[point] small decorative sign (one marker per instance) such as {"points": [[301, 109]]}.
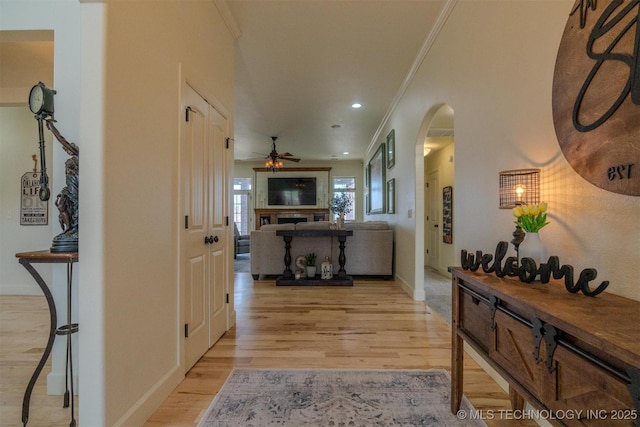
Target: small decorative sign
{"points": [[33, 211]]}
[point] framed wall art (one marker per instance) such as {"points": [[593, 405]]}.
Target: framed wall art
{"points": [[391, 196], [376, 184], [391, 149], [447, 215]]}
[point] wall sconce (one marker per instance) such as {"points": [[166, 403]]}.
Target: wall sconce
{"points": [[519, 187]]}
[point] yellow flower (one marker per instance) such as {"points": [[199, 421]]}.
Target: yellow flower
{"points": [[534, 210], [543, 207], [525, 209], [517, 211]]}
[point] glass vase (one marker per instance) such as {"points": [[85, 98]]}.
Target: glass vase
{"points": [[532, 247]]}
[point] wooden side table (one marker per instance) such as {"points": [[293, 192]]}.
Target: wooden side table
{"points": [[47, 257]]}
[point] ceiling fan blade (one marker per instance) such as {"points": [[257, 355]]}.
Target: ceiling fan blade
{"points": [[293, 159], [260, 154], [287, 154]]}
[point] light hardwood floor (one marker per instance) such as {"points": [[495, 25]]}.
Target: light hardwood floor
{"points": [[374, 324]]}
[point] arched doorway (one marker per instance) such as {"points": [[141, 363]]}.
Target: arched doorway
{"points": [[434, 176]]}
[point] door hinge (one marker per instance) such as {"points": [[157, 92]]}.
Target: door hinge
{"points": [[186, 117], [186, 330], [426, 183], [227, 219], [227, 298], [229, 140], [186, 222]]}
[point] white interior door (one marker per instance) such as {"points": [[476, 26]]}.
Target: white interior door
{"points": [[218, 216], [195, 252], [432, 241]]}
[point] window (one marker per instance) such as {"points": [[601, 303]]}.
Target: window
{"points": [[346, 185], [241, 203]]}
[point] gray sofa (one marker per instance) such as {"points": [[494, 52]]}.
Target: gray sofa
{"points": [[369, 252]]}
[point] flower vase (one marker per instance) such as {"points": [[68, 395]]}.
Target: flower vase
{"points": [[341, 221], [532, 247]]}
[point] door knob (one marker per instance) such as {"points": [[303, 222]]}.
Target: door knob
{"points": [[208, 240], [436, 226], [214, 239]]}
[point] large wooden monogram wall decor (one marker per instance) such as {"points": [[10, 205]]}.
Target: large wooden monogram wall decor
{"points": [[596, 93]]}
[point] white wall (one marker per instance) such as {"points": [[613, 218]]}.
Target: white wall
{"points": [[493, 64], [149, 47], [121, 62], [18, 142], [63, 19]]}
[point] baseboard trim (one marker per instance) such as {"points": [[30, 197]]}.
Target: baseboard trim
{"points": [[141, 410]]}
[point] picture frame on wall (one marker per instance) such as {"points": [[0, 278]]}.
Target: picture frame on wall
{"points": [[447, 215], [391, 149], [376, 185], [391, 196]]}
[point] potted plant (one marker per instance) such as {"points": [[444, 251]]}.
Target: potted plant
{"points": [[341, 204], [310, 262]]}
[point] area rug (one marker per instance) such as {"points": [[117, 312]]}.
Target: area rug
{"points": [[335, 397]]}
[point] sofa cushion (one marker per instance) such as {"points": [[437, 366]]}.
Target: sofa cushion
{"points": [[313, 225], [369, 225], [274, 227]]}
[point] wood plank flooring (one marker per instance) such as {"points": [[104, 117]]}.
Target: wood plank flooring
{"points": [[373, 324]]}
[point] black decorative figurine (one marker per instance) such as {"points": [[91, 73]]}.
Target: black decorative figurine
{"points": [[41, 104]]}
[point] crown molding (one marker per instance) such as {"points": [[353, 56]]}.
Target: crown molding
{"points": [[228, 18], [446, 10]]}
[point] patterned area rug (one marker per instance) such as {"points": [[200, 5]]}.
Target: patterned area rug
{"points": [[328, 397]]}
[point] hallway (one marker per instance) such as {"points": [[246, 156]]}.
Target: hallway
{"points": [[372, 325]]}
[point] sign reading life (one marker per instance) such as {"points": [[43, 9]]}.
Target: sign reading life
{"points": [[596, 93]]}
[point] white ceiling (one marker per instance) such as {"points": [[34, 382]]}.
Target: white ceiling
{"points": [[300, 64]]}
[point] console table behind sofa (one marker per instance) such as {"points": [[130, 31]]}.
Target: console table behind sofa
{"points": [[369, 251]]}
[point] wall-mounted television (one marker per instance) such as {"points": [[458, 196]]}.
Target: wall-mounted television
{"points": [[291, 191]]}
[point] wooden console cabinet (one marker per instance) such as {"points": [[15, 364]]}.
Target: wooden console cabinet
{"points": [[561, 352]]}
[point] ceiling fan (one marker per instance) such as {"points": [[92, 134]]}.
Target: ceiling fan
{"points": [[274, 160]]}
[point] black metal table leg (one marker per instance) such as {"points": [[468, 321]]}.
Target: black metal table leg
{"points": [[53, 321], [27, 259]]}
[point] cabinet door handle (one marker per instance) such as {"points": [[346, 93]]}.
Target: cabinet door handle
{"points": [[214, 239], [208, 240]]}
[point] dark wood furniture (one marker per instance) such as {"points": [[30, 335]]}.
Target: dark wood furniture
{"points": [[47, 257], [287, 279], [558, 351], [272, 215]]}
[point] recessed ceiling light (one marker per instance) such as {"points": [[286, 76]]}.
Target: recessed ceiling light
{"points": [[356, 105], [345, 153]]}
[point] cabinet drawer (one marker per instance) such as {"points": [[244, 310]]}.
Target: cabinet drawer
{"points": [[579, 385], [512, 348], [475, 319]]}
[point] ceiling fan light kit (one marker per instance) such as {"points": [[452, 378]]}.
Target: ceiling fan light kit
{"points": [[274, 160]]}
